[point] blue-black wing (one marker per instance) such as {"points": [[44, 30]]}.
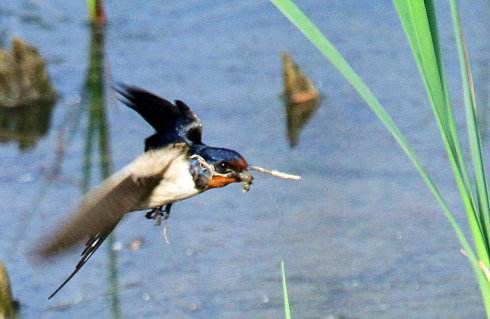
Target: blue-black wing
{"points": [[174, 123]]}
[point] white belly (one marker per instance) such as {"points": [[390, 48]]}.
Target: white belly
{"points": [[177, 184]]}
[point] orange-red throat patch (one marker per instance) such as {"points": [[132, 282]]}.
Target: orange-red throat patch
{"points": [[220, 181]]}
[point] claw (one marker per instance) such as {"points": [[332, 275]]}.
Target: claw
{"points": [[151, 214]]}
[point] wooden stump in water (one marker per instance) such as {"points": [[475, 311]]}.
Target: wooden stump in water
{"points": [[300, 96], [25, 124], [6, 302], [24, 79], [298, 88], [297, 116], [26, 95]]}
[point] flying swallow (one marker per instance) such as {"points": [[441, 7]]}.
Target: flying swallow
{"points": [[176, 165]]}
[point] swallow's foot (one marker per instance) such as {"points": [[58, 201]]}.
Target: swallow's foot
{"points": [[159, 214], [152, 214]]}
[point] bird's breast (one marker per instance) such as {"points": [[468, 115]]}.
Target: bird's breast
{"points": [[177, 184]]}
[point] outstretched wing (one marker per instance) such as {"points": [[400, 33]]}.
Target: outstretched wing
{"points": [[99, 212], [102, 208], [173, 122]]}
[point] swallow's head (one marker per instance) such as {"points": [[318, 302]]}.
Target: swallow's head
{"points": [[229, 167]]}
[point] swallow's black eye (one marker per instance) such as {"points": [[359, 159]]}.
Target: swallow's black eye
{"points": [[223, 165]]}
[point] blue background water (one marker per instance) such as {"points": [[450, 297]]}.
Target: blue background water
{"points": [[361, 235]]}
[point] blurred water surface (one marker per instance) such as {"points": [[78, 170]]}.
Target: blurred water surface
{"points": [[360, 234]]}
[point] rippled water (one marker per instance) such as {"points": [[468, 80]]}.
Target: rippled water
{"points": [[360, 234]]}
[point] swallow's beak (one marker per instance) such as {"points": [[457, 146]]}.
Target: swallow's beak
{"points": [[246, 179]]}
